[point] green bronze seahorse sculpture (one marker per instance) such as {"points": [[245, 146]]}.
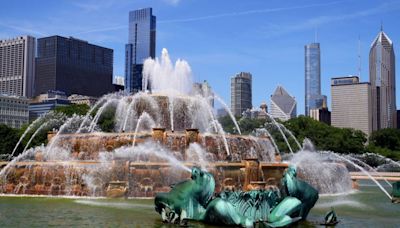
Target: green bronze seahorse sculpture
{"points": [[193, 200]]}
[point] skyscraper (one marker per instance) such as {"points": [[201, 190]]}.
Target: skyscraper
{"points": [[73, 66], [241, 93], [313, 97], [141, 45], [382, 77], [283, 106], [17, 66], [351, 104], [321, 114]]}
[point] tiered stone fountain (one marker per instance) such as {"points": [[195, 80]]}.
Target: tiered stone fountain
{"points": [[145, 175], [158, 136]]}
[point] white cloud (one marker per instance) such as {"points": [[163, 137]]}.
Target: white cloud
{"points": [[240, 13], [173, 2], [26, 29], [273, 30]]}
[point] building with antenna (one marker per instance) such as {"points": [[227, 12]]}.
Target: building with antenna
{"points": [[313, 97], [383, 82]]}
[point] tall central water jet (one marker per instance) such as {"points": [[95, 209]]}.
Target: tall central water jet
{"points": [[165, 77]]}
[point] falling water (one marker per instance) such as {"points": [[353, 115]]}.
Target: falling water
{"points": [[227, 109], [34, 135], [222, 133], [55, 138], [291, 135], [362, 170], [197, 150], [171, 111], [30, 127], [198, 110], [149, 148], [261, 131], [4, 170], [99, 112], [142, 117], [321, 173], [390, 161], [280, 130], [128, 111], [88, 114], [366, 165]]}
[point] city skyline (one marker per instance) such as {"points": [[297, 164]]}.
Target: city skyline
{"points": [[266, 40]]}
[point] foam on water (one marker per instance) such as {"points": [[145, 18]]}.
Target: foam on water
{"points": [[121, 205], [341, 202]]}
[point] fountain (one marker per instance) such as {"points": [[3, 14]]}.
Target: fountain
{"points": [[158, 136]]}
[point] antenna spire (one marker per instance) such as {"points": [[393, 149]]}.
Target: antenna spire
{"points": [[316, 35], [381, 26], [359, 56]]}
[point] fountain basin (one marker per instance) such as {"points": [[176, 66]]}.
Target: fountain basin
{"points": [[131, 179]]}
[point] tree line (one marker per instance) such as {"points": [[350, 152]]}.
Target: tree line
{"points": [[385, 142]]}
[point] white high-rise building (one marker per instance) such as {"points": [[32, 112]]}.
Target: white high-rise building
{"points": [[351, 104], [17, 66], [283, 106]]}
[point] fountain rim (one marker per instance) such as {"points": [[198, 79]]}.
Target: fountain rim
{"points": [[168, 132]]}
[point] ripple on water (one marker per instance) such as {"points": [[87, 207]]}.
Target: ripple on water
{"points": [[120, 205], [341, 203]]}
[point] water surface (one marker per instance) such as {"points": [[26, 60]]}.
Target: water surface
{"points": [[368, 207]]}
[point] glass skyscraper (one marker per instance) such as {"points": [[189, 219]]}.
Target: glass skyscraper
{"points": [[313, 97], [383, 82], [141, 45]]}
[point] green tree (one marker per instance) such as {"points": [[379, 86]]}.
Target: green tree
{"points": [[388, 138], [9, 137], [69, 110], [227, 124], [248, 125], [325, 137], [385, 142], [107, 119]]}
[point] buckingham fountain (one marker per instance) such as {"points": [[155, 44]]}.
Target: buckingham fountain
{"points": [[163, 135]]}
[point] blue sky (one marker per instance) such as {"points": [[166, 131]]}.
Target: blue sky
{"points": [[221, 38]]}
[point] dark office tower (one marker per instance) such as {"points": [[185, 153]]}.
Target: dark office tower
{"points": [[383, 82], [313, 97], [73, 66], [241, 93], [141, 45]]}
